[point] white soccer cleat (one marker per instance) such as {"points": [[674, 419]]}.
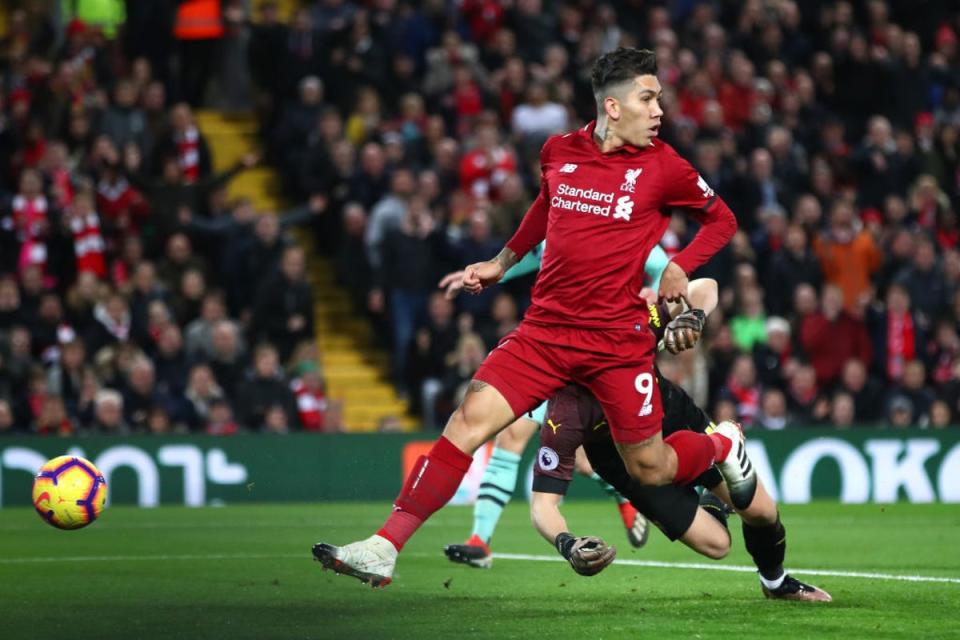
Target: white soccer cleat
{"points": [[736, 468], [370, 561]]}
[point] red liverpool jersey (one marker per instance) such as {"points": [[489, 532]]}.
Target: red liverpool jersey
{"points": [[601, 214]]}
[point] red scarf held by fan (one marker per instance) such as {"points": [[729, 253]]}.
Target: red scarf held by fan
{"points": [[30, 216], [88, 245], [900, 343], [62, 187], [311, 405], [748, 401], [188, 153]]}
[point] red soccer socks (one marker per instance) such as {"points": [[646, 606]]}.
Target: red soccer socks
{"points": [[431, 483]]}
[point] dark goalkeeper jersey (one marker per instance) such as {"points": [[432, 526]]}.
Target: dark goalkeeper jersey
{"points": [[601, 214], [575, 418]]}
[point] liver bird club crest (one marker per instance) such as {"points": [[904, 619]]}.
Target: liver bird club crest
{"points": [[630, 180]]}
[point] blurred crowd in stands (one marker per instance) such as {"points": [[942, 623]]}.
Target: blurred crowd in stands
{"points": [[831, 129], [135, 296], [412, 132]]}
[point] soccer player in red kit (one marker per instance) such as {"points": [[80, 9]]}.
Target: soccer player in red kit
{"points": [[603, 204]]}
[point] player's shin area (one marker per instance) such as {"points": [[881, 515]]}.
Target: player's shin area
{"points": [[435, 477], [762, 510]]}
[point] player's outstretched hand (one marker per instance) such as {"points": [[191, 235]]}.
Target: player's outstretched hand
{"points": [[588, 555], [452, 284], [481, 275], [591, 555], [673, 283], [683, 331]]}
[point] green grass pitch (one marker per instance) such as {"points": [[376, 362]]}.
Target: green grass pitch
{"points": [[246, 572]]}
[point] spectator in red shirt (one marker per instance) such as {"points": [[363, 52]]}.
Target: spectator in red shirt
{"points": [[898, 335], [831, 336], [484, 18], [309, 390], [57, 173], [466, 98], [742, 388], [737, 95], [487, 166], [30, 209], [185, 141], [88, 246], [695, 95]]}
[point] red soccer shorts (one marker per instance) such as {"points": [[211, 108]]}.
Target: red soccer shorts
{"points": [[616, 365]]}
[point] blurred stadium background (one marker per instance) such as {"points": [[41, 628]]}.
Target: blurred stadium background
{"points": [[222, 223], [221, 227], [225, 219]]}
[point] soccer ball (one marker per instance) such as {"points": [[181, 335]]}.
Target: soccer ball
{"points": [[69, 492]]}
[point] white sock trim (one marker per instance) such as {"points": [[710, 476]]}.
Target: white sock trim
{"points": [[772, 585]]}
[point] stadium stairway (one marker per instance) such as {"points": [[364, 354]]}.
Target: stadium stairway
{"points": [[356, 373]]}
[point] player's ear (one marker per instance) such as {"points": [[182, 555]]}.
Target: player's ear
{"points": [[612, 107]]}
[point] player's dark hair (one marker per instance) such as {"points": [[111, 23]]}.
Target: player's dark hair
{"points": [[621, 66]]}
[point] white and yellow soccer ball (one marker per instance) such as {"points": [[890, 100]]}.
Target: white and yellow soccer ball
{"points": [[69, 492]]}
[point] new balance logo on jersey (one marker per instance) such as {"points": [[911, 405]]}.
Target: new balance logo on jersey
{"points": [[630, 180], [624, 208], [568, 168]]}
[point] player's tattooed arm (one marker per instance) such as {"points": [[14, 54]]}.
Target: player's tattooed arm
{"points": [[481, 275], [506, 259], [476, 386]]}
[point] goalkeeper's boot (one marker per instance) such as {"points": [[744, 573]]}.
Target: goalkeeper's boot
{"points": [[370, 561], [736, 468], [474, 552], [793, 589], [638, 527]]}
